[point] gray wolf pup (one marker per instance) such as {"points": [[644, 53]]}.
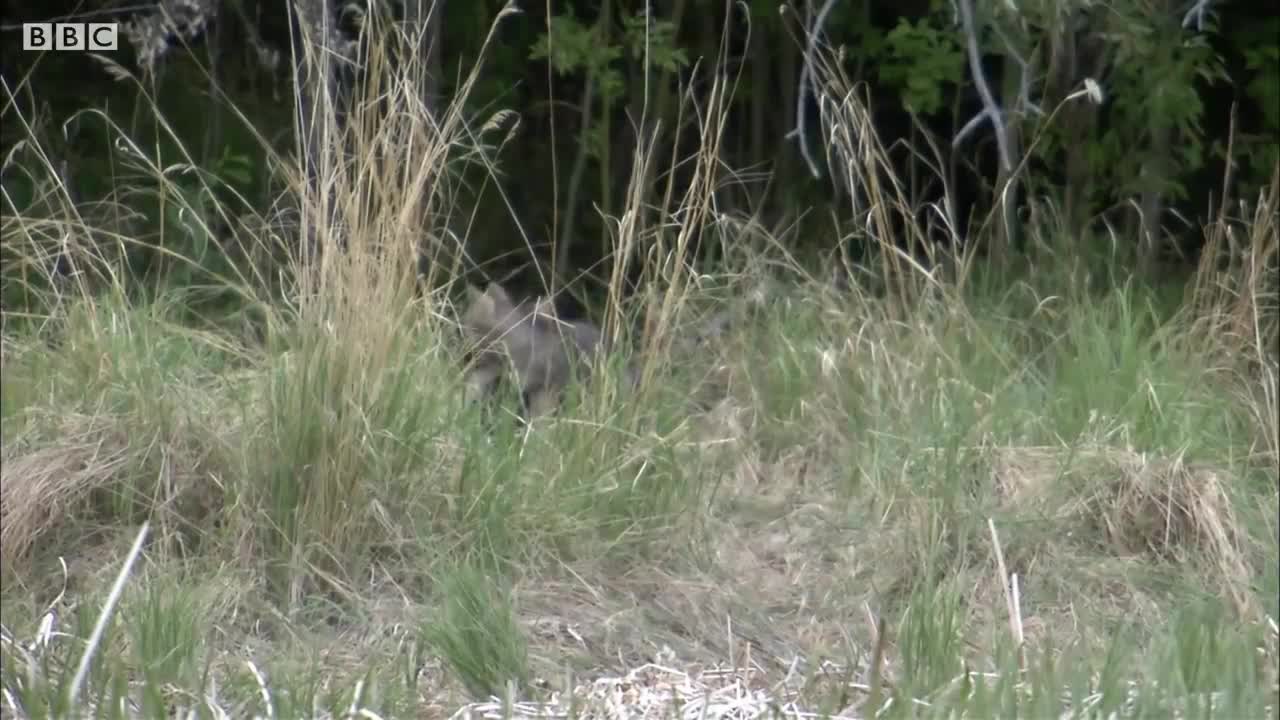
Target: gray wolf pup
{"points": [[530, 341]]}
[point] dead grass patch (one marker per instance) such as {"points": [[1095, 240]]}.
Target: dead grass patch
{"points": [[1134, 504], [45, 486], [72, 470]]}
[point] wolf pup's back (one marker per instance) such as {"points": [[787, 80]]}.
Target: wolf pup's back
{"points": [[528, 340]]}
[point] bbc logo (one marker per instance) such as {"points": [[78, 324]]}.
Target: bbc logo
{"points": [[70, 36]]}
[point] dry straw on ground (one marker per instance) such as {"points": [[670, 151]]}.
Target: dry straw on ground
{"points": [[1136, 503]]}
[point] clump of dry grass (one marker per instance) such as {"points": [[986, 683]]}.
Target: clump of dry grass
{"points": [[69, 479], [1235, 302], [48, 485], [1236, 292], [1131, 503]]}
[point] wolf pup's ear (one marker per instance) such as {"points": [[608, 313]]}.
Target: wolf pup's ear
{"points": [[498, 296], [479, 303]]}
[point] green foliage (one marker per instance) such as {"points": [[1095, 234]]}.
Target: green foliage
{"points": [[571, 47], [1155, 108], [658, 40], [924, 62]]}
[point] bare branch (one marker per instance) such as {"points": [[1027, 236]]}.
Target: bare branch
{"points": [[1199, 9], [806, 79], [990, 110], [1024, 103]]}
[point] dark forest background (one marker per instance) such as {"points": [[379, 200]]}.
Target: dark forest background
{"points": [[1190, 95]]}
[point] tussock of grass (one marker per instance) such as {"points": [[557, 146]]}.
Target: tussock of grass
{"points": [[57, 480], [478, 634], [1135, 506]]}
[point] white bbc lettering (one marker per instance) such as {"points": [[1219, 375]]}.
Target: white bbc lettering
{"points": [[104, 36], [37, 36], [70, 36]]}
